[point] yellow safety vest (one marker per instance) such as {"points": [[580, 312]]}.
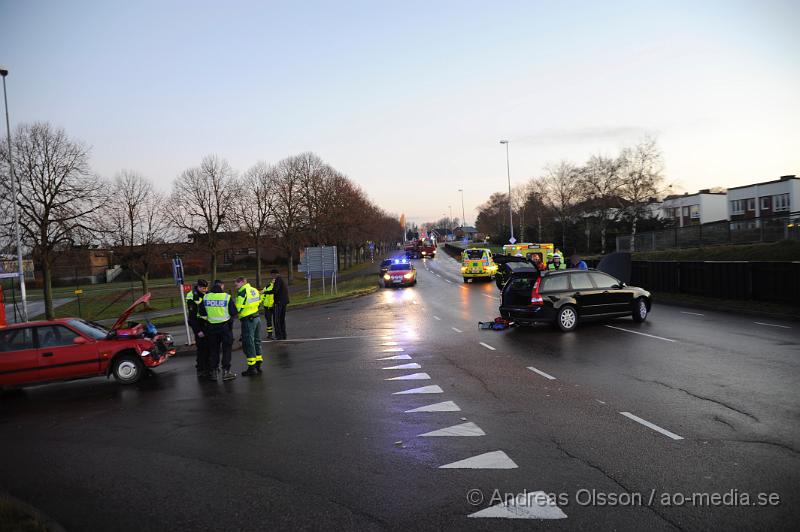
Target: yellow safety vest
{"points": [[216, 305], [268, 300], [198, 302], [248, 299]]}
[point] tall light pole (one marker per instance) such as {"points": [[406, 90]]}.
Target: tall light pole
{"points": [[4, 73], [463, 216], [510, 211], [450, 220]]}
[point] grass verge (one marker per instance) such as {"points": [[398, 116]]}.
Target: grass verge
{"points": [[15, 518]]}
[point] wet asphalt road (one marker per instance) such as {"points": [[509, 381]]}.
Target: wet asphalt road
{"points": [[322, 441]]}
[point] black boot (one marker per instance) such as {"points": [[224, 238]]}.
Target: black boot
{"points": [[258, 367], [250, 371]]}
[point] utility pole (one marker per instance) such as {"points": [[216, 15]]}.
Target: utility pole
{"points": [[510, 211]]}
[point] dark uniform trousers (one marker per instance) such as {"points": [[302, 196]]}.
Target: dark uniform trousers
{"points": [[203, 355], [280, 320], [220, 338]]}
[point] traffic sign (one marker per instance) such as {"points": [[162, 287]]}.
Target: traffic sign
{"points": [[512, 240], [78, 292], [187, 288], [177, 271]]}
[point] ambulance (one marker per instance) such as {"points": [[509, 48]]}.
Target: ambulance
{"points": [[477, 263]]}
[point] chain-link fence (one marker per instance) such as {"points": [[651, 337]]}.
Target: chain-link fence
{"points": [[752, 230]]}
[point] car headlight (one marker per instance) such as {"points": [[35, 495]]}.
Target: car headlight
{"points": [[386, 276], [408, 275], [463, 268], [145, 353]]}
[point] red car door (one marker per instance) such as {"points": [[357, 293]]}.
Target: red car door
{"points": [[19, 362], [60, 357]]}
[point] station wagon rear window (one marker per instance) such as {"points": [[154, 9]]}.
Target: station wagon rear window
{"points": [[474, 254], [556, 283]]}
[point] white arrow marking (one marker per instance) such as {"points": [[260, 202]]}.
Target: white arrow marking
{"points": [[425, 389], [490, 460], [411, 377], [413, 365], [446, 406], [529, 505], [464, 429], [397, 357]]}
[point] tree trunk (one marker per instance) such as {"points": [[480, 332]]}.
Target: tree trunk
{"points": [[563, 236], [290, 263], [47, 276], [603, 238], [258, 263], [145, 279], [213, 266], [633, 233], [539, 221]]}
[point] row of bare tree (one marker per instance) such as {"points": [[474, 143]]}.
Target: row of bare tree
{"points": [[603, 191], [299, 201]]}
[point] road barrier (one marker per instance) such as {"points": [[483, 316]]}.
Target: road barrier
{"points": [[759, 281]]}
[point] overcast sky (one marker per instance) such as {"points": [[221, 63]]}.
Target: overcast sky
{"points": [[411, 98]]}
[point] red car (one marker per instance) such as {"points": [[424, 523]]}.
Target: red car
{"points": [[71, 348], [400, 273]]}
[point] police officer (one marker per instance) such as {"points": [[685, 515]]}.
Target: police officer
{"points": [[219, 311], [281, 293], [194, 299], [268, 301], [556, 264], [248, 301]]}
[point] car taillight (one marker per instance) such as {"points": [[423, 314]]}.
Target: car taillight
{"points": [[536, 298]]}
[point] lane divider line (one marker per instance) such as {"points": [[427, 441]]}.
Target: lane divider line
{"points": [[487, 346], [641, 333], [457, 329], [542, 373], [437, 318], [772, 325], [692, 313], [649, 425]]}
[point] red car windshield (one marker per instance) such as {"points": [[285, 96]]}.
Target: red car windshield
{"points": [[91, 330]]}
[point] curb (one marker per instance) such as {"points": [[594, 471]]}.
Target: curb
{"points": [[48, 522]]}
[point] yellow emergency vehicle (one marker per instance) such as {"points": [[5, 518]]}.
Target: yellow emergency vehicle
{"points": [[544, 250], [477, 263]]}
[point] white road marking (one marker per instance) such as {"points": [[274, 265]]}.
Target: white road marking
{"points": [[647, 424], [437, 318], [491, 460], [772, 325], [601, 402], [527, 505], [393, 350], [415, 302], [457, 329], [449, 281], [439, 276], [412, 365], [314, 339], [542, 373], [491, 297], [425, 389], [389, 343], [692, 313], [641, 333], [411, 377], [464, 429], [446, 406], [397, 357], [487, 346]]}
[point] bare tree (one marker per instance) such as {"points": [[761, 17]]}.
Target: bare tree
{"points": [[256, 205], [602, 181], [563, 193], [137, 213], [290, 219], [519, 203], [642, 178], [58, 197], [204, 198]]}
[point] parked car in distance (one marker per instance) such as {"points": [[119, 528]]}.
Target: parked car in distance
{"points": [[71, 348], [567, 297]]}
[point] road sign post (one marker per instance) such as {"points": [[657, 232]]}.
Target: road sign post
{"points": [[177, 275], [319, 262]]}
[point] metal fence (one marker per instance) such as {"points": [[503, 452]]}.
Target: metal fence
{"points": [[759, 281], [752, 230]]}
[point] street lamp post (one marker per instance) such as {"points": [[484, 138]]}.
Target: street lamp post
{"points": [[463, 216], [4, 73], [510, 211]]}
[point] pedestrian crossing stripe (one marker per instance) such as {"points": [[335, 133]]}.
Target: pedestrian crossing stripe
{"points": [[412, 365], [397, 357], [464, 429], [446, 406], [425, 389], [490, 460], [528, 505], [411, 377]]}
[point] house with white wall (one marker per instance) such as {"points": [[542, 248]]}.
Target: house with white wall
{"points": [[692, 209], [768, 198]]}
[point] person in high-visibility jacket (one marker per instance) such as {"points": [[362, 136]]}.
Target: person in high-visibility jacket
{"points": [[194, 299], [219, 311], [268, 302], [248, 302], [556, 264]]}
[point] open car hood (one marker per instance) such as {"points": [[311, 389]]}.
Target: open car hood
{"points": [[123, 318], [617, 264]]}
